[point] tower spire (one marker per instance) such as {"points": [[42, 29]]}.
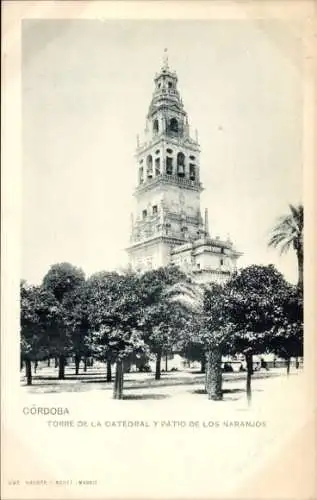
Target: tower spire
{"points": [[165, 59]]}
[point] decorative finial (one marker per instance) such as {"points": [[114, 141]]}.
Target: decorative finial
{"points": [[165, 59]]}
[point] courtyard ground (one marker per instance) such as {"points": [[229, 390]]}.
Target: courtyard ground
{"points": [[138, 385], [175, 443]]}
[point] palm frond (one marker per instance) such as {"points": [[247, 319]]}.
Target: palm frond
{"points": [[288, 231], [188, 295]]}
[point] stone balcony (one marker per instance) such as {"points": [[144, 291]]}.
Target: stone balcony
{"points": [[169, 179]]}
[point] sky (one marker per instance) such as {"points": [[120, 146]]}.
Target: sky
{"points": [[86, 89]]}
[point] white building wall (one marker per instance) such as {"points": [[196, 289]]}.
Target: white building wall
{"points": [[150, 256]]}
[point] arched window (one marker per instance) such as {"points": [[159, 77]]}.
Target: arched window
{"points": [[155, 127], [149, 165], [157, 166], [173, 125], [192, 172], [169, 165], [141, 175], [181, 164]]}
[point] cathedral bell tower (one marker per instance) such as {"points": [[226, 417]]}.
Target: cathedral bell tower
{"points": [[168, 184], [168, 226]]}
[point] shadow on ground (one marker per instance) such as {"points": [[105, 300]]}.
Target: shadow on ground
{"points": [[225, 391], [145, 396], [83, 383]]}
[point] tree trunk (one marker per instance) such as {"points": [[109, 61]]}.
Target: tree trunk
{"points": [[158, 365], [61, 367], [77, 362], [21, 364], [203, 363], [118, 382], [300, 262], [85, 364], [109, 374], [288, 365], [214, 374], [28, 372], [48, 362], [91, 362], [166, 362], [35, 366], [249, 360], [297, 363], [56, 362]]}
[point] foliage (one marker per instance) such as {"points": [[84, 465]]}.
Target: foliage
{"points": [[117, 317], [207, 322], [40, 316], [63, 278], [114, 311], [286, 338], [289, 233], [258, 305], [289, 230], [76, 322], [62, 281], [161, 321]]}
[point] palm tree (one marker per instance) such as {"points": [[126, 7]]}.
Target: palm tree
{"points": [[289, 233], [192, 297]]}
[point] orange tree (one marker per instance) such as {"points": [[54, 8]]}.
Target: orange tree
{"points": [[208, 326], [260, 306], [114, 314], [40, 320], [76, 322], [161, 321], [61, 280], [286, 337]]}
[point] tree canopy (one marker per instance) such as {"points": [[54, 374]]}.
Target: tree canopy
{"points": [[289, 233]]}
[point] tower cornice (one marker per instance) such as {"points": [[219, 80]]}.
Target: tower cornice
{"points": [[171, 180], [190, 143], [170, 240]]}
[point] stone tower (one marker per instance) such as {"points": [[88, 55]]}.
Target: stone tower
{"points": [[168, 223]]}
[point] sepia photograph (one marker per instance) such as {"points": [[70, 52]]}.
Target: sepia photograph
{"points": [[161, 275], [202, 284]]}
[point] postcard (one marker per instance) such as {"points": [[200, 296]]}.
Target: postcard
{"points": [[158, 200]]}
